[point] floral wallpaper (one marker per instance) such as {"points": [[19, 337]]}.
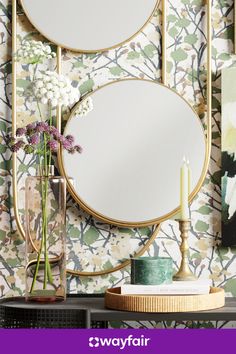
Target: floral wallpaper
{"points": [[93, 245], [228, 156]]}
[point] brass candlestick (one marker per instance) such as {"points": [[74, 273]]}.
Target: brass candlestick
{"points": [[184, 273]]}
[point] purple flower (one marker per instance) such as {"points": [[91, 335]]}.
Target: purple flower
{"points": [[71, 150], [62, 139], [41, 127], [20, 132], [70, 138], [55, 133], [10, 140], [16, 147], [78, 148], [28, 149], [53, 145], [57, 136], [34, 139], [66, 144], [30, 126], [52, 129], [20, 144]]}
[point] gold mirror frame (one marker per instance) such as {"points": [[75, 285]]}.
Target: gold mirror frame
{"points": [[14, 120], [78, 50], [89, 209]]}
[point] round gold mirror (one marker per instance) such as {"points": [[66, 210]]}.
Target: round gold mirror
{"points": [[89, 26], [134, 141]]}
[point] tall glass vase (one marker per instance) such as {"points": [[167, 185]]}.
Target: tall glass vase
{"points": [[45, 238]]}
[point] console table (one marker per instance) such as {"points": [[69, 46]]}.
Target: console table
{"points": [[88, 311]]}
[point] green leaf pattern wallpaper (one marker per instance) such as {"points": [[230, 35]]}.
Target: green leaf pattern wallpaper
{"points": [[228, 99], [92, 244]]}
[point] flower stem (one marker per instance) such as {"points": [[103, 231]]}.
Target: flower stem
{"points": [[44, 172], [37, 268], [44, 180], [44, 211]]}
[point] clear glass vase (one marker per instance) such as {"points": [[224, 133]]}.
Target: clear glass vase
{"points": [[45, 238]]}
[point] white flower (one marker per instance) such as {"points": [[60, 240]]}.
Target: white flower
{"points": [[54, 102], [44, 100], [39, 84], [85, 107], [49, 86], [48, 49], [54, 81], [229, 128], [56, 89], [43, 91], [32, 52], [50, 95], [230, 195]]}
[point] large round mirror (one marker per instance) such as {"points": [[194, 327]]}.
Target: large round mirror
{"points": [[134, 141], [89, 25]]}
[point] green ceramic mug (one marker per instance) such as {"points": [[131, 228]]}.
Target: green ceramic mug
{"points": [[151, 270]]}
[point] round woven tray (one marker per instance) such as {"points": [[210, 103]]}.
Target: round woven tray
{"points": [[164, 303]]}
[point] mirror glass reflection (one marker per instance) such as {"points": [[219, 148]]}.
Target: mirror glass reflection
{"points": [[134, 141], [88, 25]]}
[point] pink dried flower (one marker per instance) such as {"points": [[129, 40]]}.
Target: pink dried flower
{"points": [[53, 145], [41, 127], [28, 149], [20, 132], [30, 126], [34, 139], [57, 136], [14, 148], [70, 138], [55, 132], [20, 144], [78, 148], [17, 146], [10, 140], [62, 139], [52, 129], [71, 150], [66, 144]]}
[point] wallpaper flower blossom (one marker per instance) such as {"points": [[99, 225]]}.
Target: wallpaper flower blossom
{"points": [[228, 157]]}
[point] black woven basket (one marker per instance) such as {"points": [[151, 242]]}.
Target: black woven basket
{"points": [[15, 313]]}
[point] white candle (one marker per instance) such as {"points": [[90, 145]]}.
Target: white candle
{"points": [[189, 178], [184, 191]]}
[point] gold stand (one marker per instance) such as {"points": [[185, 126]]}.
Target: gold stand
{"points": [[184, 273]]}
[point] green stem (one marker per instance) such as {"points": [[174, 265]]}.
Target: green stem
{"points": [[35, 71], [37, 268], [50, 124], [44, 211], [38, 106], [44, 235], [44, 192], [49, 164]]}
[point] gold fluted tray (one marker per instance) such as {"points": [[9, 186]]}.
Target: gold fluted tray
{"points": [[164, 303]]}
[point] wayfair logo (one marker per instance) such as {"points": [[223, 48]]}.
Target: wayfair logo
{"points": [[94, 342], [121, 343]]}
